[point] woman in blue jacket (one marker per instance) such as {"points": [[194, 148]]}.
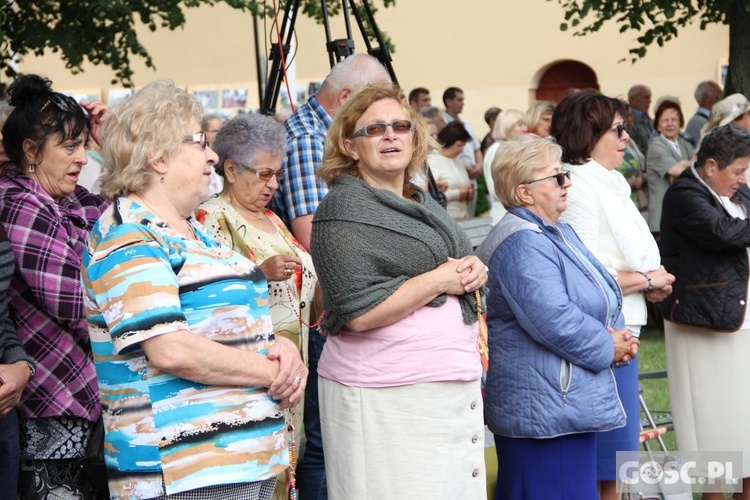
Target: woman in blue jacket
{"points": [[555, 329]]}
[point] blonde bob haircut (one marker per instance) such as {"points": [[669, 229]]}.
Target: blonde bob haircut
{"points": [[536, 112], [144, 128], [338, 160], [505, 121], [517, 161]]}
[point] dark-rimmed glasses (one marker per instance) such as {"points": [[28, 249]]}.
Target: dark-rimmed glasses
{"points": [[559, 177], [265, 174], [379, 128], [619, 129], [199, 138]]}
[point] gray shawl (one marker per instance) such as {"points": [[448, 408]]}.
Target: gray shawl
{"points": [[366, 242]]}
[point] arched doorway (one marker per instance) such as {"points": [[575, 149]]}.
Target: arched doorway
{"points": [[557, 78]]}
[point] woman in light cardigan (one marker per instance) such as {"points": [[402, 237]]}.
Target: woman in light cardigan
{"points": [[590, 129]]}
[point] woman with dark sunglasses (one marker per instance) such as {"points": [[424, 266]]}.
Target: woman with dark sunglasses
{"points": [[590, 128], [555, 329], [47, 218], [399, 378], [192, 376], [250, 150]]}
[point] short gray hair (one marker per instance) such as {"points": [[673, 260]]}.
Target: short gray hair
{"points": [[354, 73], [430, 113], [704, 88], [243, 138]]}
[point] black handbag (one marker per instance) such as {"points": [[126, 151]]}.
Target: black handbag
{"points": [[92, 467]]}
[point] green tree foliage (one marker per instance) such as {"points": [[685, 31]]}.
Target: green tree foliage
{"points": [[104, 31], [659, 21]]}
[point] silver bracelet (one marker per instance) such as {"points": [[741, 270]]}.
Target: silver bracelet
{"points": [[648, 278]]}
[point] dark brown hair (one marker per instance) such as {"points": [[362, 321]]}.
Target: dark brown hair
{"points": [[665, 105], [580, 120]]}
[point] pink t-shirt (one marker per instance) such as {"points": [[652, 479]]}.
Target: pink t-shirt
{"points": [[430, 345]]}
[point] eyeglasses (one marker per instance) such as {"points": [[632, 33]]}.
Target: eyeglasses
{"points": [[199, 138], [265, 174], [620, 129], [379, 128], [63, 102], [560, 178]]}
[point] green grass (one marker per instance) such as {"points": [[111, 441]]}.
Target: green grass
{"points": [[655, 392]]}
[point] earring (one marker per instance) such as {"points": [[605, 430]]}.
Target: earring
{"points": [[162, 179], [32, 167]]}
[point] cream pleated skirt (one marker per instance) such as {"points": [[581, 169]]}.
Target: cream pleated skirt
{"points": [[709, 388], [416, 441]]}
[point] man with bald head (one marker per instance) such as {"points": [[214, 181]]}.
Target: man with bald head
{"points": [[706, 95], [300, 192], [642, 129], [295, 201]]}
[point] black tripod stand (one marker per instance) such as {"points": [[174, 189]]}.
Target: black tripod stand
{"points": [[337, 49]]}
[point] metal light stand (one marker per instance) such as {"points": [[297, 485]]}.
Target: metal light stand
{"points": [[337, 49]]}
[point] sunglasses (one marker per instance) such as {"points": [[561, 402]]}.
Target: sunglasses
{"points": [[379, 128], [199, 138], [63, 102], [265, 174], [620, 129], [560, 178]]}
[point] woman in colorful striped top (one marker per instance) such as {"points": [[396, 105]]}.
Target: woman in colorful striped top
{"points": [[193, 379]]}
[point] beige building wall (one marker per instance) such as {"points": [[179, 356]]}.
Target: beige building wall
{"points": [[494, 50]]}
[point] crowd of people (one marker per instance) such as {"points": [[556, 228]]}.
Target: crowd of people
{"points": [[265, 310]]}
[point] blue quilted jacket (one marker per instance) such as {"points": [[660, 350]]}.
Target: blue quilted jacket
{"points": [[550, 353]]}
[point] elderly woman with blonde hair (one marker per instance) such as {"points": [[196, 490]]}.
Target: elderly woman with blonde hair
{"points": [[510, 123], [555, 322], [400, 289], [180, 323], [539, 118]]}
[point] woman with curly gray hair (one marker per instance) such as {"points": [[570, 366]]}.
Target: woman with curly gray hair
{"points": [[250, 149]]}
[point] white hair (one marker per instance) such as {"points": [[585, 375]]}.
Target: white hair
{"points": [[354, 73]]}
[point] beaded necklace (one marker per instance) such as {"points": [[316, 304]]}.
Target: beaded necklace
{"points": [[482, 346], [301, 306]]}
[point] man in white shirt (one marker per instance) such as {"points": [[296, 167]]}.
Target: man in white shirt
{"points": [[471, 156]]}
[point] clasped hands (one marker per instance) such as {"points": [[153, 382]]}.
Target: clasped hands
{"points": [[626, 345], [288, 386], [462, 275], [661, 281]]}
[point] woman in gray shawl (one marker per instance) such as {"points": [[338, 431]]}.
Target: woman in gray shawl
{"points": [[400, 373]]}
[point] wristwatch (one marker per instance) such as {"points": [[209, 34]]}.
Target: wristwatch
{"points": [[31, 366]]}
